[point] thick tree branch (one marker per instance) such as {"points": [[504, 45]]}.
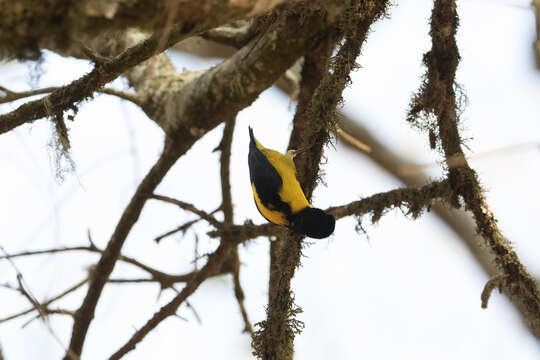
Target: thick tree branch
{"points": [[437, 97], [28, 26], [274, 339], [67, 96], [320, 93]]}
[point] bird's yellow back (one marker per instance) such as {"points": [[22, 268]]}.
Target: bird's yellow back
{"points": [[290, 191]]}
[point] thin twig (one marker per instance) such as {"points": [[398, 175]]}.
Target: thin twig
{"points": [[45, 304], [12, 96], [165, 279], [215, 261], [182, 228], [189, 207]]}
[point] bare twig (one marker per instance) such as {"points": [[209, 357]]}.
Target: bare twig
{"points": [[215, 261], [36, 305], [182, 228], [12, 95], [189, 207], [46, 303], [240, 296], [166, 280], [498, 281]]}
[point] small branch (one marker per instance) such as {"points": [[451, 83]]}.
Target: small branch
{"points": [[239, 294], [93, 55], [233, 262], [45, 304], [242, 233], [182, 228], [48, 312], [412, 201], [225, 160], [498, 281], [132, 97], [12, 96], [166, 280], [215, 261], [189, 207]]}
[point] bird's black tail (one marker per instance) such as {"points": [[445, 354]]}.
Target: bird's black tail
{"points": [[251, 136], [313, 222]]}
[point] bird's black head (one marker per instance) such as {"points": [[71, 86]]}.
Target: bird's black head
{"points": [[313, 222]]}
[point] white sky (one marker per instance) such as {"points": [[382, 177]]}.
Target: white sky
{"points": [[411, 292]]}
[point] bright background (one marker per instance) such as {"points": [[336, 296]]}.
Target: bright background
{"points": [[410, 291]]}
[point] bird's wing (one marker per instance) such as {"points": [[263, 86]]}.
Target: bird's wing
{"points": [[266, 181]]}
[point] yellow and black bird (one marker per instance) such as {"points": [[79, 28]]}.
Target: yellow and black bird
{"points": [[278, 195]]}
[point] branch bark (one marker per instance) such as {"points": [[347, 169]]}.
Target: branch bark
{"points": [[437, 96], [28, 26], [320, 94]]}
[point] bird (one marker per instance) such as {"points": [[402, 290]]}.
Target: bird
{"points": [[278, 195]]}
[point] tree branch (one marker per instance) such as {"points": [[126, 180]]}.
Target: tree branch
{"points": [[66, 96], [27, 27], [410, 200], [320, 93], [215, 261], [437, 97], [104, 267], [189, 207], [233, 262], [46, 303]]}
